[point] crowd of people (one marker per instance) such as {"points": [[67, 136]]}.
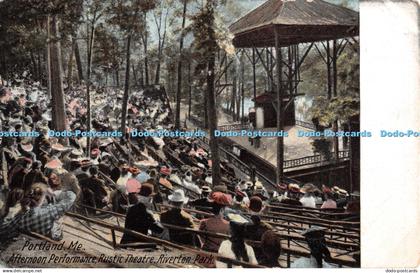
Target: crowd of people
{"points": [[43, 177]]}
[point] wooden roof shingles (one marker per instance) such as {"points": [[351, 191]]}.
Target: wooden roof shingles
{"points": [[298, 21]]}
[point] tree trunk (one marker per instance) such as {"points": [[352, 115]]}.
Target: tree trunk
{"points": [[134, 75], [189, 89], [126, 87], [141, 80], [179, 82], [49, 56], [70, 64], [78, 62], [233, 98], [35, 67], [212, 120], [117, 76], [146, 59], [88, 84], [280, 112], [57, 94]]}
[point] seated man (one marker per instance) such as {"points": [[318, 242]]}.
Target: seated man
{"points": [[42, 218], [93, 189], [139, 218], [177, 217]]}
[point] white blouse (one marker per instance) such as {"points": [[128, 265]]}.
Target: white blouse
{"points": [[225, 250]]}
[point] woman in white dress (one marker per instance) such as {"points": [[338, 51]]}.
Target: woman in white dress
{"points": [[236, 248], [315, 237]]}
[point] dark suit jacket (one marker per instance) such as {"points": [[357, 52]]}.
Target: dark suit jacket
{"points": [[141, 220], [180, 218]]}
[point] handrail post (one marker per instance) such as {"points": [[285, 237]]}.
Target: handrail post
{"points": [[114, 239]]}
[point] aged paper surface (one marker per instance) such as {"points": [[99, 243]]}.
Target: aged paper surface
{"points": [[390, 84]]}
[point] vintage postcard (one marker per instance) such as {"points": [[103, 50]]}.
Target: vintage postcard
{"points": [[184, 134]]}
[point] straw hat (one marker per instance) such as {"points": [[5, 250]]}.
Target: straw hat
{"points": [[27, 147], [294, 188], [59, 147], [314, 231], [205, 189], [178, 196], [308, 188]]}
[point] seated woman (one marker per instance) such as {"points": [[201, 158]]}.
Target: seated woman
{"points": [[271, 249], [329, 202], [236, 248], [315, 237]]}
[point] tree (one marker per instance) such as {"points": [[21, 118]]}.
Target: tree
{"points": [[161, 14], [126, 15], [95, 10], [179, 71], [210, 36]]}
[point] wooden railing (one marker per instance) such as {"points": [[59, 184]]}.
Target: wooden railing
{"points": [[233, 127], [293, 244], [306, 124], [314, 159]]}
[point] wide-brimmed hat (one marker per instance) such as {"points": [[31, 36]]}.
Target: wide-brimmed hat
{"points": [[294, 188], [165, 170], [255, 204], [59, 147], [178, 196], [249, 184], [221, 198], [133, 186], [282, 186], [165, 182], [220, 188], [142, 177], [54, 164], [75, 153], [27, 147], [309, 187], [205, 189], [313, 232], [340, 191]]}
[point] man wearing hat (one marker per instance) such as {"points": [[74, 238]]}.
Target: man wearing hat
{"points": [[203, 201], [178, 217], [139, 218]]}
